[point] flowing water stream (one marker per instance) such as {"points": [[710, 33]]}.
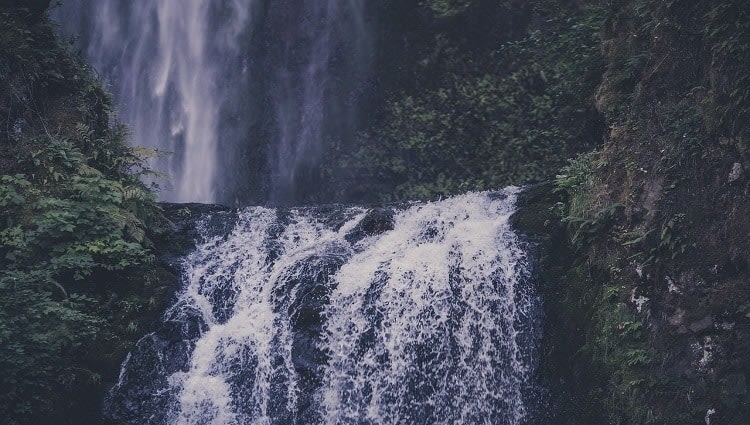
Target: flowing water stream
{"points": [[329, 315]]}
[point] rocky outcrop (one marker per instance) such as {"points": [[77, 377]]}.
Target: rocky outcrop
{"points": [[654, 302]]}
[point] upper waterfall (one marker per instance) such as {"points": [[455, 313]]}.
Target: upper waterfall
{"points": [[242, 93]]}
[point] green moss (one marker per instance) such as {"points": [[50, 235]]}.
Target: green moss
{"points": [[665, 163]]}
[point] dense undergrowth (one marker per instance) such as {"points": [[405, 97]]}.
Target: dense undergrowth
{"points": [[660, 280], [78, 270], [489, 96]]}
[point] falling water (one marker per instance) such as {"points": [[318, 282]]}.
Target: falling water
{"points": [[416, 314], [307, 87], [413, 315], [166, 61], [243, 93]]}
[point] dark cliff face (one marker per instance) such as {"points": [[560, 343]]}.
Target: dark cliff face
{"points": [[677, 154], [657, 298]]}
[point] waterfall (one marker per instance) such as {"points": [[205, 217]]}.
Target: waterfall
{"points": [[419, 314], [307, 87], [422, 313], [167, 61], [243, 94]]}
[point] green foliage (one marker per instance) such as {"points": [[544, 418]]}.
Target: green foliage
{"points": [[585, 222], [27, 49], [615, 349], [727, 31], [620, 349], [605, 339], [71, 209], [508, 115], [75, 216], [584, 229], [40, 326], [655, 246], [670, 241]]}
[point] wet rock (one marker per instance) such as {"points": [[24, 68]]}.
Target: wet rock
{"points": [[184, 322], [377, 221], [678, 318], [704, 354], [639, 301], [736, 172], [310, 283], [709, 413], [672, 287], [170, 331], [725, 326], [735, 384], [174, 331], [702, 325], [184, 222], [143, 394]]}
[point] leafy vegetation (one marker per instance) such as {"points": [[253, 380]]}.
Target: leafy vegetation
{"points": [[727, 31], [488, 117], [75, 221]]}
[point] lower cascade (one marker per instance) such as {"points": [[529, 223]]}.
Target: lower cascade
{"points": [[423, 313]]}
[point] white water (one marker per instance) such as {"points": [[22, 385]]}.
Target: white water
{"points": [[167, 61], [243, 94], [431, 322], [444, 331]]}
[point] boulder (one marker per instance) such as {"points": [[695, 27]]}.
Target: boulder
{"points": [[377, 221]]}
